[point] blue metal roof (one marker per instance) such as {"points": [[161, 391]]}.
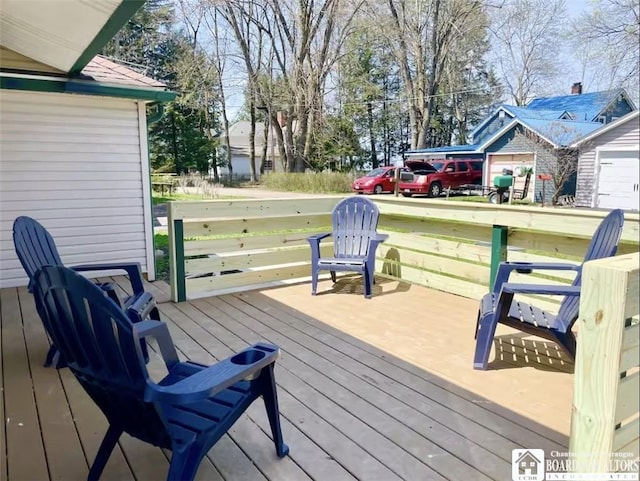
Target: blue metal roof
{"points": [[561, 132], [448, 148], [583, 107], [523, 112]]}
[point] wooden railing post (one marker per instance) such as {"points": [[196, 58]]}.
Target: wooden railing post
{"points": [[176, 257], [499, 236], [605, 406]]}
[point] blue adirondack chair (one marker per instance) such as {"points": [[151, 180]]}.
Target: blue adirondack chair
{"points": [[36, 248], [499, 306], [187, 412], [355, 241]]}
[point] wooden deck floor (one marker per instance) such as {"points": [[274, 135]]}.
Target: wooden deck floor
{"points": [[378, 389]]}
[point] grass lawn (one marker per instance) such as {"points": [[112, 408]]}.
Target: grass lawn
{"points": [[162, 199], [162, 263]]}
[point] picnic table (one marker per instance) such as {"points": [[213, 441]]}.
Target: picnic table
{"points": [[163, 186]]}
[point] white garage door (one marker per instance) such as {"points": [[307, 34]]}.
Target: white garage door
{"points": [[618, 180], [514, 162]]}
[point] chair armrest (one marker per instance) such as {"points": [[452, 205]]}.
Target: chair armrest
{"points": [[380, 237], [133, 270], [139, 306], [543, 289], [505, 269], [216, 378], [319, 237], [160, 332]]}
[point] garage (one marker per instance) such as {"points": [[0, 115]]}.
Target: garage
{"points": [[618, 180], [608, 165], [515, 162]]}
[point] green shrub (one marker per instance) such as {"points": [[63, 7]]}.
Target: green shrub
{"points": [[162, 262], [313, 182]]}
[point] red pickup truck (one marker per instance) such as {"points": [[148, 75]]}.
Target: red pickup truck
{"points": [[434, 176]]}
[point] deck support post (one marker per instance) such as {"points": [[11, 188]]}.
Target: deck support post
{"points": [[499, 234]]}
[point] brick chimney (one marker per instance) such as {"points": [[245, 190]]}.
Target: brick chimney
{"points": [[576, 88]]}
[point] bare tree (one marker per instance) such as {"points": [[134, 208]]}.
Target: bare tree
{"points": [[525, 35], [423, 34], [305, 39], [608, 40], [553, 154], [219, 62]]}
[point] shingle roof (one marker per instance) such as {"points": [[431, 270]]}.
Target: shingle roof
{"points": [[582, 107], [101, 69]]}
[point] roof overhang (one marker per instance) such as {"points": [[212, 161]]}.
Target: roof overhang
{"points": [[64, 35], [85, 87]]}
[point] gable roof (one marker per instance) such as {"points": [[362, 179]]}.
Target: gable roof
{"points": [[102, 69], [100, 77], [560, 133], [583, 107], [65, 36], [634, 114], [525, 112]]}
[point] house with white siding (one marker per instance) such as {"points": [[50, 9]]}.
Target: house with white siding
{"points": [[609, 165], [556, 123], [240, 152], [73, 135]]}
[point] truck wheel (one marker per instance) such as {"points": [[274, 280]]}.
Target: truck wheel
{"points": [[435, 189]]}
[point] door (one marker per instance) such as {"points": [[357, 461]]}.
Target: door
{"points": [[618, 180], [516, 162]]}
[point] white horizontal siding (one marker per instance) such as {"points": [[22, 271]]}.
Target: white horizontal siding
{"points": [[624, 136], [73, 163]]}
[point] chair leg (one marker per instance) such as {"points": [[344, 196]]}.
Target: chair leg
{"points": [[104, 452], [484, 341], [314, 280], [567, 341], [270, 397], [185, 463], [51, 355], [333, 276], [368, 283]]}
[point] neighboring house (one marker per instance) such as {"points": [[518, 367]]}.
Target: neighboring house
{"points": [[609, 165], [241, 149], [558, 121], [73, 130]]}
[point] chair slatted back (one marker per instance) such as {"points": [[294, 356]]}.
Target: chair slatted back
{"points": [[355, 220], [604, 243], [34, 245], [96, 340]]}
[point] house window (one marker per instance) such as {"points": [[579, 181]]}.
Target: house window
{"points": [[267, 165], [602, 119]]}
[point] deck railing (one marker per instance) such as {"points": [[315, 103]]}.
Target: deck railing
{"points": [[605, 427], [223, 246]]}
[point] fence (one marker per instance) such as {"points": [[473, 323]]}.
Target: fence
{"points": [[605, 422], [223, 246]]}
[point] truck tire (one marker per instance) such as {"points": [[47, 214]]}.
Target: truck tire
{"points": [[435, 189]]}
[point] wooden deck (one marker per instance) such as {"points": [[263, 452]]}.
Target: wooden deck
{"points": [[378, 389]]}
